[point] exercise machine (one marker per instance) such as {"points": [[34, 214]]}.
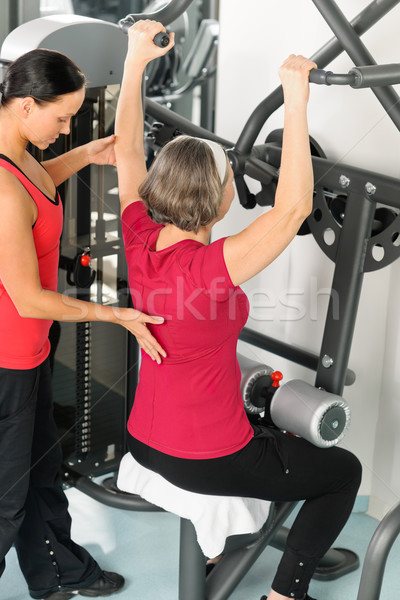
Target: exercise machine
{"points": [[346, 201], [365, 238]]}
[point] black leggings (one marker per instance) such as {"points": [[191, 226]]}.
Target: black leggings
{"points": [[278, 467]]}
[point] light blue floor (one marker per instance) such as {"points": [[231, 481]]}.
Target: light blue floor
{"points": [[144, 548]]}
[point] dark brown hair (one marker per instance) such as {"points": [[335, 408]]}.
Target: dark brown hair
{"points": [[42, 74]]}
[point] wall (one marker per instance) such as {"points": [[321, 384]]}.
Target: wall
{"points": [[289, 298], [386, 490]]}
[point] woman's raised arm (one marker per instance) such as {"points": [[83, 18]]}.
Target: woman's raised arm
{"points": [[129, 148], [254, 248]]}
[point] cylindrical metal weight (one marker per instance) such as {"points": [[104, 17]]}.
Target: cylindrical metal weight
{"points": [[318, 416]]}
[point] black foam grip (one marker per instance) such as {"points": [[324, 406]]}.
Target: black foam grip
{"points": [[161, 39], [376, 75], [319, 76]]}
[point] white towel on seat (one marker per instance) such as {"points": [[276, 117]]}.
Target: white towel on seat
{"points": [[214, 517]]}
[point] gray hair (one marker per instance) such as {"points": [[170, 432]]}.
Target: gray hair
{"points": [[183, 186]]}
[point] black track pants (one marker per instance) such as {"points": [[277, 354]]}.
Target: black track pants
{"points": [[277, 467], [33, 507]]}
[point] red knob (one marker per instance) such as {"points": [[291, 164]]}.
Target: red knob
{"points": [[85, 260], [276, 376]]}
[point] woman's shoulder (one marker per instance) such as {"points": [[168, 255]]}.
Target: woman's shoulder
{"points": [[15, 175], [134, 211], [8, 168], [10, 186], [17, 209], [13, 171], [214, 249], [135, 221], [206, 264]]}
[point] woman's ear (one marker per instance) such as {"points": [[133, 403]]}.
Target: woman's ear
{"points": [[26, 106]]}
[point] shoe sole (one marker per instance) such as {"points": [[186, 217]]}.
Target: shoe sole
{"points": [[90, 594], [85, 593]]}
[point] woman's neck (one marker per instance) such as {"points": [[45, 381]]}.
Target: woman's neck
{"points": [[170, 234], [12, 144]]}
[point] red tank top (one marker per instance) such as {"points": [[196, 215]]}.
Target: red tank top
{"points": [[24, 342]]}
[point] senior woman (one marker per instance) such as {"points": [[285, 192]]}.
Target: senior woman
{"points": [[188, 421]]}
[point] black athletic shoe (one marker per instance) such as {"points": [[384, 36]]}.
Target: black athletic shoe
{"points": [[107, 584]]}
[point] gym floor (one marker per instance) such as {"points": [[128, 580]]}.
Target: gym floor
{"points": [[144, 548]]}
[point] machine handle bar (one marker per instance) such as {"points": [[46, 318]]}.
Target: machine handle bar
{"points": [[359, 77], [166, 15], [161, 39]]}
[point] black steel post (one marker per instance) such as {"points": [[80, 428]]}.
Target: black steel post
{"points": [[377, 554], [166, 15], [207, 108], [358, 53], [192, 564], [327, 175], [346, 285], [234, 565], [370, 15], [366, 19], [288, 351]]}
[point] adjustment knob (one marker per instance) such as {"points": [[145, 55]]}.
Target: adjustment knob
{"points": [[276, 376], [85, 260]]}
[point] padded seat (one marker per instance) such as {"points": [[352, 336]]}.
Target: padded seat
{"points": [[238, 528], [215, 518]]}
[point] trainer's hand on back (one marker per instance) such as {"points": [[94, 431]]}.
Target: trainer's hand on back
{"points": [[135, 321]]}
